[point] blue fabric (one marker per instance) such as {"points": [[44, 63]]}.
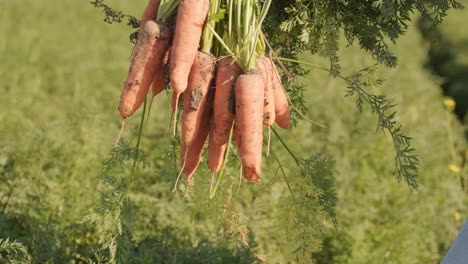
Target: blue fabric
{"points": [[458, 252]]}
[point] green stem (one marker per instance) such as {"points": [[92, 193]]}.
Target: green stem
{"points": [[303, 62], [286, 146], [283, 173], [167, 9], [132, 177], [207, 35], [220, 40]]}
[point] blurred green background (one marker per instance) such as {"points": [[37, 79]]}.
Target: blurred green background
{"points": [[62, 70]]}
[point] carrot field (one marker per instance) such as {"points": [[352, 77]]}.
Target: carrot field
{"points": [[62, 180]]}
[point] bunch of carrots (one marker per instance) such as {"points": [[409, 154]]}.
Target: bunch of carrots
{"points": [[212, 54]]}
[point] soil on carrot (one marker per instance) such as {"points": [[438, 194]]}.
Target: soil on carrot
{"points": [[196, 98]]}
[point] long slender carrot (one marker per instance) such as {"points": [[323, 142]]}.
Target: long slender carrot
{"points": [[191, 15], [191, 159], [249, 119], [215, 152], [195, 96], [149, 52], [161, 76], [224, 105], [150, 12], [281, 100], [269, 96], [158, 81]]}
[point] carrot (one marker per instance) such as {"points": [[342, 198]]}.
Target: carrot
{"points": [[281, 100], [215, 152], [146, 61], [158, 81], [191, 16], [224, 105], [269, 96], [249, 119], [191, 159], [157, 86], [195, 96], [150, 11]]}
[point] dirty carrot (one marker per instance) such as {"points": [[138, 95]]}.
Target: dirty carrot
{"points": [[269, 97], [191, 16], [249, 119], [150, 49], [195, 96], [224, 106], [191, 159], [281, 100]]}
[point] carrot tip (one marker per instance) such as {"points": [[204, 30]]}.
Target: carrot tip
{"points": [[251, 173]]}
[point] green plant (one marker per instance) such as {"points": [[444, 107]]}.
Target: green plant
{"points": [[13, 252]]}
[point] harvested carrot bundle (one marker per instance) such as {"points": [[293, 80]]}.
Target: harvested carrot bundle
{"points": [[146, 61], [249, 119], [195, 96], [281, 100], [224, 106], [191, 16], [191, 159], [269, 97]]}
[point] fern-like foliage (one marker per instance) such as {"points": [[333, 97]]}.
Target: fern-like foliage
{"points": [[316, 25], [309, 210], [406, 161], [13, 252], [235, 227], [112, 217], [119, 156]]}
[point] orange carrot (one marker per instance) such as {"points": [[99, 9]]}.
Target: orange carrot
{"points": [[195, 96], [224, 105], [281, 100], [269, 97], [191, 15], [249, 119], [146, 61], [151, 11], [158, 81], [223, 112], [215, 152], [191, 160], [160, 77]]}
